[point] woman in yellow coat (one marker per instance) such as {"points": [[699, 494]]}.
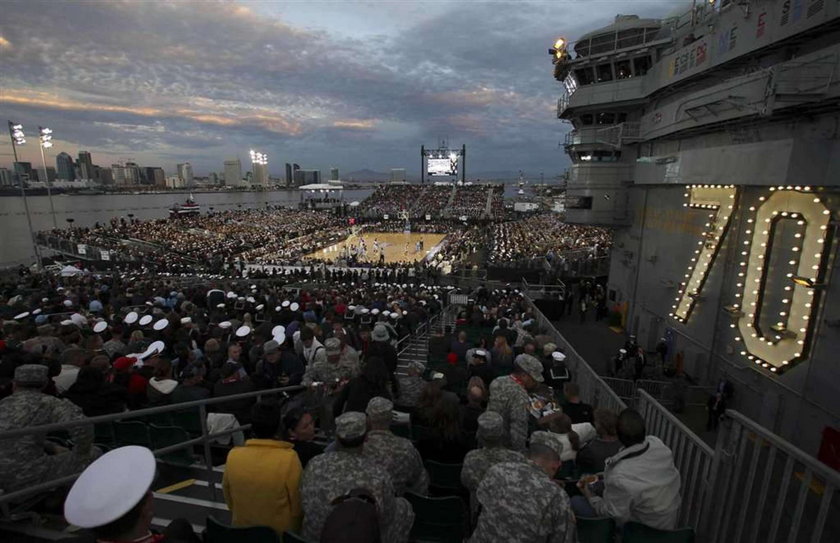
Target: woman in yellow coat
{"points": [[261, 480]]}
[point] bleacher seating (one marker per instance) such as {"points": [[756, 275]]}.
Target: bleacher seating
{"points": [[438, 519], [221, 533]]}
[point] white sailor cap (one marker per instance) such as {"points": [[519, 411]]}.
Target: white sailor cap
{"points": [[386, 313], [78, 320], [68, 303], [374, 311], [145, 319], [110, 487], [224, 324], [21, 316], [243, 330], [295, 306], [285, 303], [220, 306], [231, 294], [161, 324], [36, 311], [186, 320], [100, 327], [131, 318], [155, 348], [250, 299], [558, 356], [278, 331], [260, 307]]}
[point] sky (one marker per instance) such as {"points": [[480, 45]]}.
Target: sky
{"points": [[347, 84]]}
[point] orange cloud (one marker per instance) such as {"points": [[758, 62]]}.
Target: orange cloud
{"points": [[273, 123], [4, 42], [355, 124]]}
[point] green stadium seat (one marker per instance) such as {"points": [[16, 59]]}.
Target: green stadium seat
{"points": [[103, 433], [401, 430], [440, 520], [635, 532], [164, 436], [132, 432], [595, 530], [188, 420], [221, 533]]}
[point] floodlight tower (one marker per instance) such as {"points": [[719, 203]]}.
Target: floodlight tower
{"points": [[46, 143], [19, 138]]}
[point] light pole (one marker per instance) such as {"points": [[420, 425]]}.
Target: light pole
{"points": [[19, 138], [46, 143]]}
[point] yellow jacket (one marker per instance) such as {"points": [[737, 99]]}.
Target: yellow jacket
{"points": [[261, 485]]}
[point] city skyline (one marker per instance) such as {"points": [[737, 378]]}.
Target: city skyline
{"points": [[353, 85]]}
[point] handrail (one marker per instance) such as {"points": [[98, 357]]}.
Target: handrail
{"points": [[144, 412]]}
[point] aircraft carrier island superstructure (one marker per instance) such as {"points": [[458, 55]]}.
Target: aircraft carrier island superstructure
{"points": [[709, 140]]}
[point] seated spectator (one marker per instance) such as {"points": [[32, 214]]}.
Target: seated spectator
{"points": [[480, 366], [333, 474], [489, 438], [641, 482], [456, 375], [396, 454], [573, 436], [476, 404], [577, 410], [192, 387], [161, 386], [520, 501], [261, 480], [446, 443], [591, 458], [31, 460], [411, 385], [300, 425], [459, 346], [95, 395]]}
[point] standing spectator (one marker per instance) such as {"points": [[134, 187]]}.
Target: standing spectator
{"points": [[360, 390], [509, 397], [261, 480], [300, 425], [502, 356]]}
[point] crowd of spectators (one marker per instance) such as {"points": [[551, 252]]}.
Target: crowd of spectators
{"points": [[545, 235], [490, 397], [470, 201]]}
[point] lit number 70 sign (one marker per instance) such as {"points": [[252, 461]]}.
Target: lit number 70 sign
{"points": [[786, 340]]}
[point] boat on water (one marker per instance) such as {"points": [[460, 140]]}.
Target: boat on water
{"points": [[190, 207]]}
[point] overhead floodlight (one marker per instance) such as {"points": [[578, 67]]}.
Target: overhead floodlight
{"points": [[559, 49], [18, 137], [46, 137]]}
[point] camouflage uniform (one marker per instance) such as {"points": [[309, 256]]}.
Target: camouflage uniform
{"points": [[477, 462], [328, 372], [411, 387], [521, 504], [333, 474], [23, 462], [509, 399], [400, 459]]}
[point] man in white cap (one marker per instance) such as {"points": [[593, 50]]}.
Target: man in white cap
{"points": [[23, 460], [113, 499], [333, 474], [509, 397]]}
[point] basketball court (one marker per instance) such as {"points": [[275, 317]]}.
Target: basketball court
{"points": [[396, 246]]}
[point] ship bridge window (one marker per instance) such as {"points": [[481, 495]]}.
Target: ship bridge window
{"points": [[623, 70], [598, 156], [604, 72], [606, 118], [641, 65], [622, 118], [585, 76], [586, 119]]}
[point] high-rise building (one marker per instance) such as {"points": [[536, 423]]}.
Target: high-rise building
{"points": [[85, 165], [24, 172], [307, 177], [133, 175], [397, 175], [185, 172], [153, 175], [6, 178], [103, 175], [118, 173], [51, 174], [259, 165], [289, 179], [233, 172], [333, 174], [64, 166]]}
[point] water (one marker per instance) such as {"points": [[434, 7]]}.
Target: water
{"points": [[16, 244]]}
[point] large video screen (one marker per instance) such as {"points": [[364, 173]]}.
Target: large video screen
{"points": [[442, 166]]}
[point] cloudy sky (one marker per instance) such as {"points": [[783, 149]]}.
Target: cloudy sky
{"points": [[322, 83]]}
